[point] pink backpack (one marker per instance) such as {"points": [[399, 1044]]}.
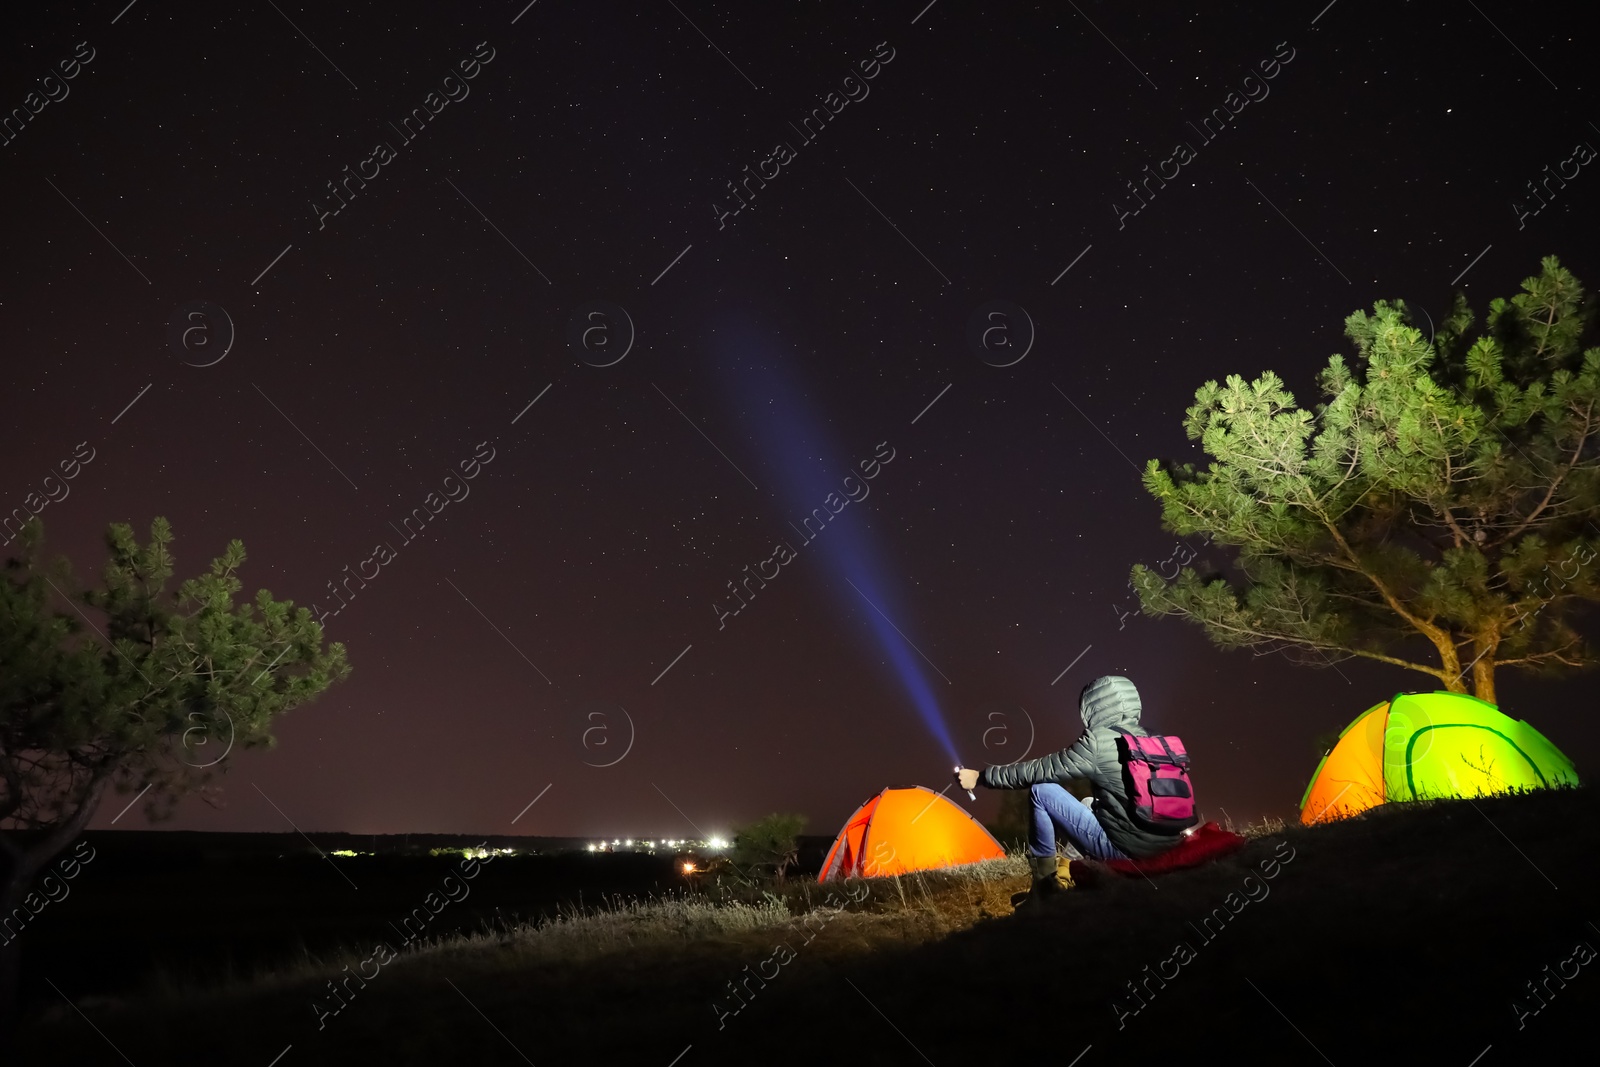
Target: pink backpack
{"points": [[1156, 771]]}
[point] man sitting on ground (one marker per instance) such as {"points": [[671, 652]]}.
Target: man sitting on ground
{"points": [[1108, 831]]}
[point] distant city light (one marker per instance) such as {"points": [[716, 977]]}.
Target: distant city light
{"points": [[652, 844]]}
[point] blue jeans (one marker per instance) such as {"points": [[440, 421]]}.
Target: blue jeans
{"points": [[1053, 806]]}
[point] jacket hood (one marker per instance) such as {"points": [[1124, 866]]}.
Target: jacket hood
{"points": [[1110, 701]]}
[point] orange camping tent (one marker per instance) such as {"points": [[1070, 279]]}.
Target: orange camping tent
{"points": [[907, 829]]}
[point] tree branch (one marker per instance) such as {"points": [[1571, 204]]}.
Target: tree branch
{"points": [[1577, 453], [1263, 637], [1441, 640]]}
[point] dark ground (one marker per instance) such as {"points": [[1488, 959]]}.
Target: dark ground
{"points": [[214, 904], [1402, 937]]}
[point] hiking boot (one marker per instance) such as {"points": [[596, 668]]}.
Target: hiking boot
{"points": [[1047, 873], [1047, 883]]}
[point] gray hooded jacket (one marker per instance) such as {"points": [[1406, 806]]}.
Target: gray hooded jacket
{"points": [[1107, 702]]}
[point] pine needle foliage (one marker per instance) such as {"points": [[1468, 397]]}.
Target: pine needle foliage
{"points": [[130, 686], [1437, 511]]}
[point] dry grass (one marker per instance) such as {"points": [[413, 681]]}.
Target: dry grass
{"points": [[1267, 827], [640, 980], [901, 910]]}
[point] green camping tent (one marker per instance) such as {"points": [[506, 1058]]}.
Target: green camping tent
{"points": [[1428, 745]]}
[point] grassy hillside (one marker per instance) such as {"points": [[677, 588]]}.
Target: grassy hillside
{"points": [[1407, 934]]}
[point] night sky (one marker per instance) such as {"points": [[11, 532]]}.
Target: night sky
{"points": [[557, 230]]}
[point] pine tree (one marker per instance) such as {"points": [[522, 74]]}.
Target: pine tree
{"points": [[1443, 495], [149, 696]]}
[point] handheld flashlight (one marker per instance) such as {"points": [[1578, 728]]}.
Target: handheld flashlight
{"points": [[970, 794]]}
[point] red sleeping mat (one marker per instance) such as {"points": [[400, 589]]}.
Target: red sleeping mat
{"points": [[1205, 844]]}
